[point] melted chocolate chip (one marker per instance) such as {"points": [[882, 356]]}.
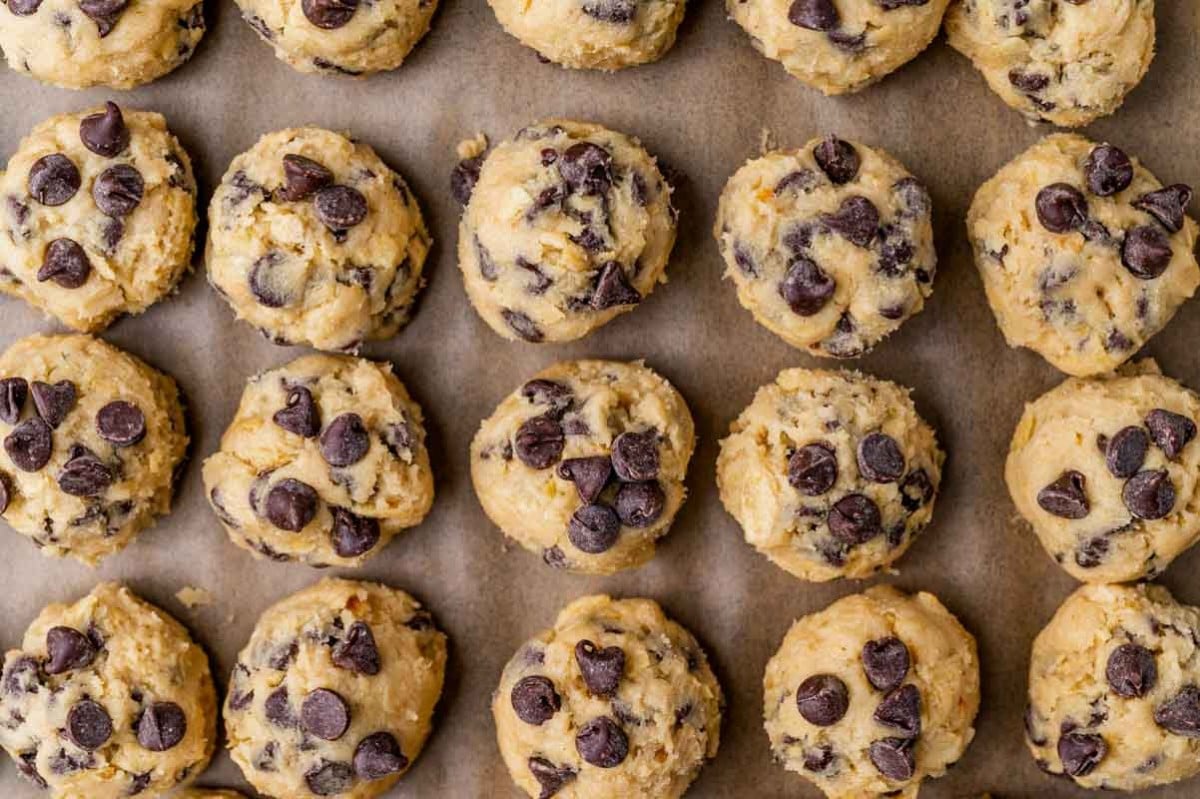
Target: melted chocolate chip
{"points": [[118, 190], [1066, 497], [105, 134], [378, 756], [601, 669], [67, 649], [1126, 452], [340, 207], [303, 177], [1131, 671], [1167, 205], [823, 700], [1181, 714], [893, 758], [806, 288], [594, 528], [539, 442], [901, 709], [590, 475], [1146, 252], [586, 168], [357, 652], [880, 459], [1107, 170], [837, 158], [1149, 495], [325, 714], [162, 726], [813, 469], [13, 391], [121, 423], [635, 456], [534, 700], [346, 441], [1061, 208], [301, 416], [602, 743], [84, 474], [552, 778], [291, 505], [53, 179], [65, 263], [89, 725], [855, 519], [640, 504], [329, 14], [1080, 753], [1170, 431], [856, 219], [29, 445], [885, 662]]}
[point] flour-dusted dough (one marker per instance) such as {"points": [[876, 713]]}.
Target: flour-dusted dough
{"points": [[839, 46], [97, 216], [1113, 697], [615, 701], [313, 239], [873, 694], [830, 246], [107, 698], [830, 474], [324, 463], [92, 439], [1085, 255], [1067, 62], [584, 464], [335, 691], [565, 227]]}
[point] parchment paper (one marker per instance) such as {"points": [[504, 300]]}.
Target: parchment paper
{"points": [[702, 110]]}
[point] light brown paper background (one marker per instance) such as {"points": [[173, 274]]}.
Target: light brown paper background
{"points": [[701, 110]]}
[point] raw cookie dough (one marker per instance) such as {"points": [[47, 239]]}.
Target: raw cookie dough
{"points": [[830, 474], [334, 693], [565, 227], [343, 37], [830, 246], [593, 34], [615, 701], [839, 46], [92, 441], [1062, 62], [584, 464], [1084, 254], [1106, 473], [324, 463], [1113, 701], [97, 216], [81, 43], [873, 694], [107, 697], [313, 239]]}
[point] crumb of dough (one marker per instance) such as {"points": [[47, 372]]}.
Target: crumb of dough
{"points": [[192, 597], [472, 148]]}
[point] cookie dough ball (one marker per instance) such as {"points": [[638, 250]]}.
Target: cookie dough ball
{"points": [[77, 44], [1084, 254], [107, 697], [1113, 701], [830, 474], [830, 246], [873, 694], [839, 46], [340, 37], [334, 693], [1106, 473], [615, 700], [593, 34], [585, 463], [97, 215], [324, 463], [1062, 62], [92, 441], [564, 227], [313, 239]]}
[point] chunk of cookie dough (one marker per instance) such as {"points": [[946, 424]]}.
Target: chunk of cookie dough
{"points": [[313, 239], [615, 700], [340, 37], [97, 216], [1084, 254], [111, 43], [107, 697], [872, 695], [1113, 701], [593, 34], [1106, 473], [830, 246], [564, 227], [324, 463], [584, 464], [92, 442], [1068, 63], [839, 46], [830, 474], [334, 694]]}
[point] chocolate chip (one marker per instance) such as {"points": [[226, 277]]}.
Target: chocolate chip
{"points": [[1167, 205], [1066, 497], [535, 700], [329, 14], [105, 133], [901, 709], [823, 700], [264, 285], [1131, 671], [353, 535], [885, 662], [278, 709], [1091, 553], [291, 505], [1149, 495], [29, 445], [301, 416], [89, 725], [814, 15], [880, 459], [304, 177], [894, 758], [916, 491], [325, 714], [594, 529], [539, 442], [1170, 431], [1061, 208], [53, 179], [378, 756], [118, 190], [635, 456], [1181, 714], [121, 423], [1028, 82], [855, 519], [24, 8], [162, 726], [1126, 452], [522, 325], [813, 469], [465, 176], [1108, 170], [105, 13], [67, 649], [346, 441], [818, 759], [65, 263], [357, 652], [806, 288], [856, 219], [586, 168], [6, 492], [330, 778], [640, 504], [602, 743], [613, 288], [13, 391], [589, 475], [340, 207], [84, 475], [837, 158], [1080, 753], [551, 777], [602, 669], [548, 392], [1146, 252], [617, 12]]}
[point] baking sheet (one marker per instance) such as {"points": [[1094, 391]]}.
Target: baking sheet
{"points": [[702, 110]]}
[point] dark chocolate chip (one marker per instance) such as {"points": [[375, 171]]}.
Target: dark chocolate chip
{"points": [[118, 190], [67, 649], [548, 392], [378, 756], [635, 456], [586, 168], [105, 133], [855, 519], [602, 743], [303, 177], [357, 652], [340, 207], [121, 423], [162, 726], [613, 288], [13, 391], [329, 14], [823, 699], [24, 8], [618, 12], [1028, 82], [1149, 495], [278, 709], [837, 158], [818, 759], [291, 505], [325, 714], [53, 179], [535, 700], [1131, 671], [916, 491], [893, 758], [813, 469], [89, 725], [806, 288], [602, 669], [346, 441], [1167, 205], [66, 263], [301, 416], [353, 535], [1080, 752], [814, 15], [640, 504], [885, 662], [84, 474], [1181, 714], [105, 13], [1108, 170], [1061, 208], [590, 475], [330, 778], [1170, 431], [1091, 553], [54, 402], [552, 778], [29, 445], [539, 442], [856, 219], [880, 459], [1146, 252], [465, 176], [901, 709], [261, 282], [594, 529], [1066, 497], [522, 325], [1126, 452]]}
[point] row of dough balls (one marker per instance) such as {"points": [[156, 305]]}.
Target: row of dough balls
{"points": [[312, 239]]}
